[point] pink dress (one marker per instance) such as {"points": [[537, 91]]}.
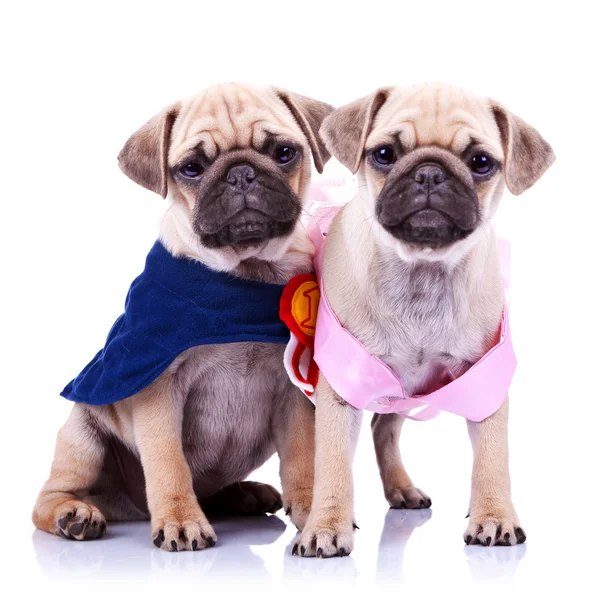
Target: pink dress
{"points": [[366, 382]]}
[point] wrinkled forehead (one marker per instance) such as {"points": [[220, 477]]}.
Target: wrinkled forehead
{"points": [[439, 115], [229, 117]]}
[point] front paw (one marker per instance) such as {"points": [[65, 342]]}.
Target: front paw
{"points": [[181, 530], [326, 537], [297, 506], [494, 529]]}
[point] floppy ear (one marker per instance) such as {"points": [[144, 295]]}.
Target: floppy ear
{"points": [[346, 130], [527, 154], [309, 114], [144, 155]]}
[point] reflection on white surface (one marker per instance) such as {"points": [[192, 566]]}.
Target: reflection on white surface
{"points": [[397, 529], [257, 550], [494, 566], [127, 549]]}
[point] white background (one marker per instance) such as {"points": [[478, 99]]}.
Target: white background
{"points": [[78, 78]]}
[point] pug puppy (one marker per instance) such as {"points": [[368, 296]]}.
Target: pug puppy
{"points": [[234, 162], [411, 269]]}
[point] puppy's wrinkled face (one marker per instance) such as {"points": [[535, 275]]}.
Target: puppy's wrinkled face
{"points": [[236, 164], [434, 162], [240, 163], [435, 159]]}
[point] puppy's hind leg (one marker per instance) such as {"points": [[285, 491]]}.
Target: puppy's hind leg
{"points": [[77, 463], [399, 490]]}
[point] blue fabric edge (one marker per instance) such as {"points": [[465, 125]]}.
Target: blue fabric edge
{"points": [[162, 367]]}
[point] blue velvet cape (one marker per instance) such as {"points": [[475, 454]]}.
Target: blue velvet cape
{"points": [[176, 304]]}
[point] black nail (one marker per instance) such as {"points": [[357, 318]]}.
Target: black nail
{"points": [[103, 527], [288, 510], [319, 552], [521, 537], [295, 550], [70, 515], [342, 552], [402, 504], [487, 541], [182, 536], [422, 503], [174, 545], [355, 526], [302, 550], [94, 524], [86, 521], [62, 523], [159, 539], [194, 545], [468, 540], [209, 540]]}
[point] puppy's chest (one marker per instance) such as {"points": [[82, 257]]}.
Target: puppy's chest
{"points": [[427, 339], [424, 366]]}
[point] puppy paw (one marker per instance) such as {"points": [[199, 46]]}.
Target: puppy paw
{"points": [[297, 506], [407, 498], [258, 498], [244, 498], [77, 520], [494, 530], [325, 538], [175, 535]]}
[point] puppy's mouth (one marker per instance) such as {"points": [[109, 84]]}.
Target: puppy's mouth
{"points": [[429, 204], [243, 202], [428, 228], [246, 229]]}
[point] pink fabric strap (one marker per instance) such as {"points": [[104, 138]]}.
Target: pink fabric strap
{"points": [[366, 382]]}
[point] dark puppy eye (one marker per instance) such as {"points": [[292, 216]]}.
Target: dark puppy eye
{"points": [[192, 170], [384, 155], [284, 154], [481, 164]]}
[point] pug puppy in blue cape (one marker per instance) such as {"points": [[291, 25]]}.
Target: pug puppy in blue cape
{"points": [[189, 394]]}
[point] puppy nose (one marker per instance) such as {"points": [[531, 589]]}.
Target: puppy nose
{"points": [[240, 176], [430, 174]]}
